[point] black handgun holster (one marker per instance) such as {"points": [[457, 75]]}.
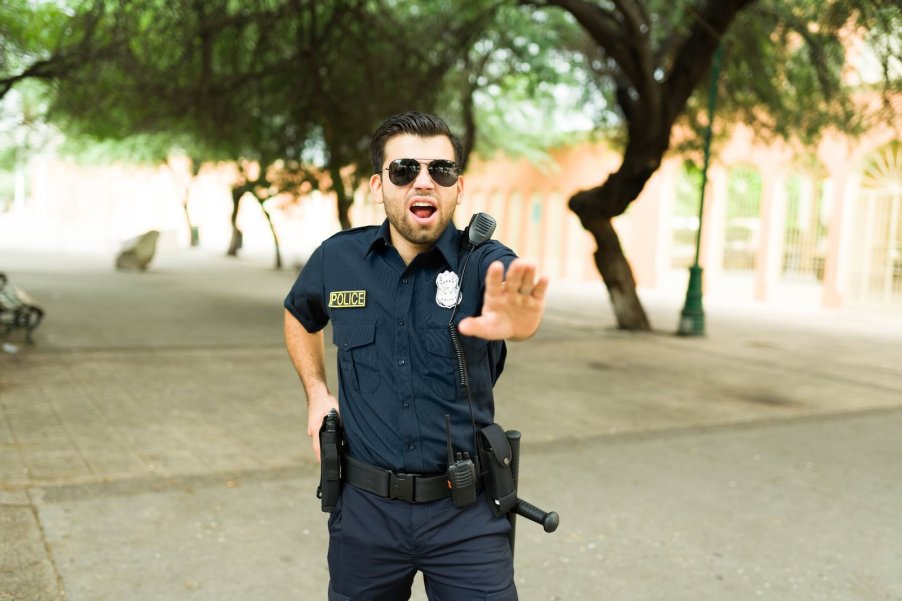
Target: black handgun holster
{"points": [[331, 445], [496, 456]]}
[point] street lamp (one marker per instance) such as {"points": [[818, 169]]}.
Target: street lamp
{"points": [[692, 317]]}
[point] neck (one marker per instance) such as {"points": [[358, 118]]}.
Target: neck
{"points": [[407, 249]]}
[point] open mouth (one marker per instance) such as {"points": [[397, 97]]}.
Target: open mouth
{"points": [[422, 210]]}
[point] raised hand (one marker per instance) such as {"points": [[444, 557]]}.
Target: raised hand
{"points": [[513, 305]]}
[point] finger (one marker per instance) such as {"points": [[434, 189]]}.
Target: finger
{"points": [[313, 433], [475, 326], [541, 288], [513, 279], [469, 326], [494, 277], [529, 278]]}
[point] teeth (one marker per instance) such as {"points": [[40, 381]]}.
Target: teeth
{"points": [[422, 204]]}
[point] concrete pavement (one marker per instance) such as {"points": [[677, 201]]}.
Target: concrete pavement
{"points": [[153, 447]]}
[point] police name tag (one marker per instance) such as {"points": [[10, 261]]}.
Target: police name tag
{"points": [[347, 299], [448, 294]]}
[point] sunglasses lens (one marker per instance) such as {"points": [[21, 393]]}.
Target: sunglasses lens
{"points": [[403, 171], [443, 172]]}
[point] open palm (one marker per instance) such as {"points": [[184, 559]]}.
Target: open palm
{"points": [[513, 305]]}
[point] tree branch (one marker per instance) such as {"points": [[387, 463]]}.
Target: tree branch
{"points": [[607, 32], [693, 58]]}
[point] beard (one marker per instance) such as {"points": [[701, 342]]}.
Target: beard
{"points": [[403, 222]]}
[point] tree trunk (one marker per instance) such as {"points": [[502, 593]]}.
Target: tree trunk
{"points": [[617, 276], [272, 229], [650, 106], [192, 231], [236, 241], [343, 201], [596, 208]]}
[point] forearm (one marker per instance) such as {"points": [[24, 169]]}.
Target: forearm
{"points": [[308, 357]]}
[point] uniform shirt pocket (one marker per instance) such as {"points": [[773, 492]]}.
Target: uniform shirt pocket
{"points": [[445, 364], [475, 350], [357, 357], [439, 366]]}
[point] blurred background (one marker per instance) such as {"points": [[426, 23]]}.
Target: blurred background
{"points": [[645, 153], [243, 127]]}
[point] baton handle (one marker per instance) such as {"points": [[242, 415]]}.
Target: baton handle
{"points": [[549, 520], [513, 439]]}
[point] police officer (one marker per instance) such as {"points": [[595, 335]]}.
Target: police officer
{"points": [[390, 292]]}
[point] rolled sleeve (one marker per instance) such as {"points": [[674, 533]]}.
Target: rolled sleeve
{"points": [[495, 252], [305, 300]]}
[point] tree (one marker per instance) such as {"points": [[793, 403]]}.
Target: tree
{"points": [[38, 40], [516, 83], [651, 56], [273, 87], [383, 72]]}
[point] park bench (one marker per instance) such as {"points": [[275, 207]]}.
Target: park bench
{"points": [[18, 310]]}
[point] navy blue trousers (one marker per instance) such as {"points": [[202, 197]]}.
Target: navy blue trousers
{"points": [[377, 545]]}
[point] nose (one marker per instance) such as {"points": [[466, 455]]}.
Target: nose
{"points": [[423, 180]]}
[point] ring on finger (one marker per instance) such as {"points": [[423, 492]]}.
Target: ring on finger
{"points": [[525, 291]]}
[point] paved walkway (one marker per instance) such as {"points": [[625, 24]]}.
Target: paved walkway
{"points": [[152, 446]]}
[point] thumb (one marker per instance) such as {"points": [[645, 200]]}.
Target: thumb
{"points": [[480, 327], [470, 326]]}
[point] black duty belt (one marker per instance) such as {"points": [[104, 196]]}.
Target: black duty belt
{"points": [[413, 488]]}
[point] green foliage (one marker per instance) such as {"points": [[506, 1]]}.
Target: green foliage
{"points": [[525, 78], [302, 84], [28, 32], [791, 69]]}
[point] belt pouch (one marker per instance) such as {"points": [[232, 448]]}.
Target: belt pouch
{"points": [[496, 455]]}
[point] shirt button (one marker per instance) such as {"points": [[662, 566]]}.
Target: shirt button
{"points": [[411, 446], [400, 322], [406, 403], [404, 281], [402, 362]]}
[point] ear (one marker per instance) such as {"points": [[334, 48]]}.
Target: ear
{"points": [[460, 189], [376, 188]]}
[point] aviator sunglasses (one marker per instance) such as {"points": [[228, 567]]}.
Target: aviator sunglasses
{"points": [[442, 171]]}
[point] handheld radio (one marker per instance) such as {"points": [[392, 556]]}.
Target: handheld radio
{"points": [[461, 473]]}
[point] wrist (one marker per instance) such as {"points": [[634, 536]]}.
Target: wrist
{"points": [[317, 394]]}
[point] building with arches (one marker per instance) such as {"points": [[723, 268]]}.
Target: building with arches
{"points": [[819, 230]]}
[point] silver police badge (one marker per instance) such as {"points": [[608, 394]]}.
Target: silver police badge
{"points": [[448, 294]]}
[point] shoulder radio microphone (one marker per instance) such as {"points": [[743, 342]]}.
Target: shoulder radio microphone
{"points": [[481, 228]]}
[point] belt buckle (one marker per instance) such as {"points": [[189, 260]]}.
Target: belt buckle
{"points": [[400, 486]]}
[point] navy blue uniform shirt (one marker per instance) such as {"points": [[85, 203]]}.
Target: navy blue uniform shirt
{"points": [[397, 371]]}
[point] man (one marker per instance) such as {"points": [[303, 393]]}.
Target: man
{"points": [[390, 293]]}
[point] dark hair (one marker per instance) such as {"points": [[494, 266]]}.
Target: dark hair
{"points": [[415, 123]]}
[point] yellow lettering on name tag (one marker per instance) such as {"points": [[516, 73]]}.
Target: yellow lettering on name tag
{"points": [[347, 299]]}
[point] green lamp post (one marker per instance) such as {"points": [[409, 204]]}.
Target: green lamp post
{"points": [[692, 317]]}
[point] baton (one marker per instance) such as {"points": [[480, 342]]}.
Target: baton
{"points": [[548, 519], [513, 438]]}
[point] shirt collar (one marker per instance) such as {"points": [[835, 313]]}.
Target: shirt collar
{"points": [[381, 238], [448, 243]]}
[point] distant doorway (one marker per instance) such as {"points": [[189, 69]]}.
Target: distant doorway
{"points": [[875, 273], [743, 225]]}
